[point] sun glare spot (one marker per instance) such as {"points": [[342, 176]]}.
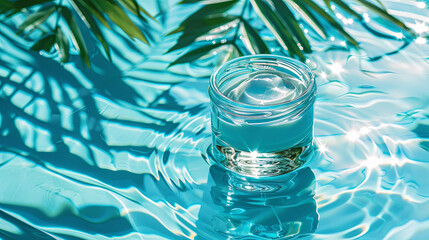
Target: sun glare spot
{"points": [[339, 16], [364, 131], [372, 162], [323, 148], [395, 161], [421, 40], [323, 75], [399, 35], [420, 27], [254, 154], [353, 135], [336, 68], [421, 5], [366, 17]]}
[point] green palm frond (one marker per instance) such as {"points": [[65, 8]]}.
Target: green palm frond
{"points": [[65, 14], [236, 32], [282, 18]]}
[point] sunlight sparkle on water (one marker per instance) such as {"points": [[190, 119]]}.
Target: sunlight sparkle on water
{"points": [[366, 17], [372, 162], [399, 35], [336, 68], [353, 135], [254, 154], [323, 148], [420, 27], [421, 5], [140, 152], [421, 40]]}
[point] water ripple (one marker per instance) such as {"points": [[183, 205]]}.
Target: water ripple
{"points": [[119, 152]]}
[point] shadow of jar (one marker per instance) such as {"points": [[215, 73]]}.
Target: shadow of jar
{"points": [[238, 207]]}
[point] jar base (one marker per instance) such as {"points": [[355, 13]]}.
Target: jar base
{"points": [[256, 164]]}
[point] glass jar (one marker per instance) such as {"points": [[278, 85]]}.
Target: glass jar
{"points": [[262, 114]]}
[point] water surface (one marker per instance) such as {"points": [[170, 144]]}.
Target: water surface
{"points": [[120, 151]]}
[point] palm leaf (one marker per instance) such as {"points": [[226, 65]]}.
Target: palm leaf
{"points": [[310, 18], [36, 18], [275, 25], [316, 8], [196, 53], [198, 29], [121, 19], [384, 14], [62, 45], [45, 43], [76, 35], [13, 7], [95, 10], [290, 21], [91, 24], [256, 44], [92, 13], [209, 10], [136, 9], [381, 4], [233, 52], [281, 17], [343, 6]]}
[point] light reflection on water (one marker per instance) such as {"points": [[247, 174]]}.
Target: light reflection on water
{"points": [[117, 152], [278, 208]]}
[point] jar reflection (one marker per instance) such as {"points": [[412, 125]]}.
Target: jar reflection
{"points": [[278, 208]]}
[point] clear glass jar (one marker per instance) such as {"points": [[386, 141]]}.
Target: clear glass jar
{"points": [[262, 114]]}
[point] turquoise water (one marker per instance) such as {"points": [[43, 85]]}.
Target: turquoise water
{"points": [[120, 152]]}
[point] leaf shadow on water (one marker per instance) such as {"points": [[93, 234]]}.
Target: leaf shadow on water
{"points": [[26, 231], [49, 70], [50, 116], [422, 130], [106, 220]]}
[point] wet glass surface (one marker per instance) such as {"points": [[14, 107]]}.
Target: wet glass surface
{"points": [[120, 151]]}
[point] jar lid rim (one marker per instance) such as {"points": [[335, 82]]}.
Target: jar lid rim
{"points": [[220, 97]]}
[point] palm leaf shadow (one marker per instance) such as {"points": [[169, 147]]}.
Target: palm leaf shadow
{"points": [[109, 84], [61, 157]]}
